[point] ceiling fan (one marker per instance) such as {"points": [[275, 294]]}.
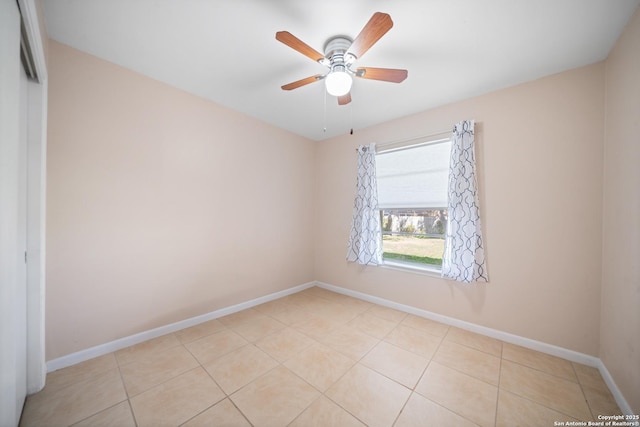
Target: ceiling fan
{"points": [[340, 53]]}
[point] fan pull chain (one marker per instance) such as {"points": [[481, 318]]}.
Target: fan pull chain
{"points": [[324, 129], [351, 117]]}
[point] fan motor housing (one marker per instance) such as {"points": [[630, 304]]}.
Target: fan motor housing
{"points": [[337, 46]]}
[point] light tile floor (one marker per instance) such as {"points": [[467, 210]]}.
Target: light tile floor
{"points": [[318, 358]]}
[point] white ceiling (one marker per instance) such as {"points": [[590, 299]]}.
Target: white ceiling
{"points": [[226, 51]]}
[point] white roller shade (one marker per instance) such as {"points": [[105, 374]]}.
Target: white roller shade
{"points": [[414, 177]]}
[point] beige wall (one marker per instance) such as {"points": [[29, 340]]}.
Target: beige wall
{"points": [[539, 149], [161, 205], [620, 328]]}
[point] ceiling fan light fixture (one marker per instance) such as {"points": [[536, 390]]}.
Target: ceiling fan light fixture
{"points": [[338, 81], [340, 54]]}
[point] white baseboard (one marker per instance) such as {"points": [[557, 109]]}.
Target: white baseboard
{"points": [[106, 348], [553, 350], [574, 356], [542, 347], [617, 394]]}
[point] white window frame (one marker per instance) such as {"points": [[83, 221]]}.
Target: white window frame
{"points": [[425, 269]]}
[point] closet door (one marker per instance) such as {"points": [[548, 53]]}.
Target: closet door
{"points": [[13, 169], [21, 249]]}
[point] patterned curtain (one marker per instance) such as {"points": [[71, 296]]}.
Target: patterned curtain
{"points": [[463, 258], [365, 237]]}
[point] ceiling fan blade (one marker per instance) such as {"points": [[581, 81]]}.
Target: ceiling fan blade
{"points": [[302, 82], [344, 99], [377, 27], [295, 43], [385, 74]]}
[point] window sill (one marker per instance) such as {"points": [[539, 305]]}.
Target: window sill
{"points": [[412, 268]]}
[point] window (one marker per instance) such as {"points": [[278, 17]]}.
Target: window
{"points": [[412, 197], [414, 236]]}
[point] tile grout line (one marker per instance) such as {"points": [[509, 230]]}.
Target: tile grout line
{"points": [[183, 345], [442, 339], [495, 418], [133, 415], [560, 411], [584, 395], [355, 362], [226, 395], [316, 341], [126, 392], [500, 389]]}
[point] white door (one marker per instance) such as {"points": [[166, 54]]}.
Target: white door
{"points": [[13, 139], [21, 267]]}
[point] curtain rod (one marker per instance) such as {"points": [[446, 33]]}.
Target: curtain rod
{"points": [[401, 141]]}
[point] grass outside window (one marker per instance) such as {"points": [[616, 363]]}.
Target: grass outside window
{"points": [[413, 249]]}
